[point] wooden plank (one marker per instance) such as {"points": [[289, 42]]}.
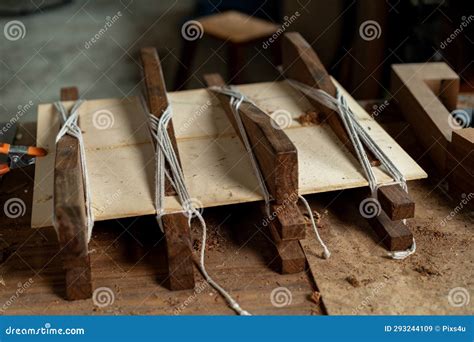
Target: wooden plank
{"points": [[70, 213], [426, 94], [395, 235], [276, 154], [177, 233], [395, 202], [302, 64], [212, 156]]}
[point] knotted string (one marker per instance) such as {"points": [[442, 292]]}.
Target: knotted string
{"points": [[69, 126], [165, 153], [236, 99], [357, 134]]}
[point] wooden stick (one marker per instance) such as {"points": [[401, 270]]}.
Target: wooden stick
{"points": [[277, 158], [177, 232], [302, 64], [395, 202], [70, 212], [288, 224]]}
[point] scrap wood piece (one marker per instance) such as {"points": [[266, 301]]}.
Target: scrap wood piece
{"points": [[426, 94], [277, 158], [70, 212], [176, 228], [302, 64]]}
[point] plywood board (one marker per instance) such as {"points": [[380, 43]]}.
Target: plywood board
{"points": [[216, 168]]}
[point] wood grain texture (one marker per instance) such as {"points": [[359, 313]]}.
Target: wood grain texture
{"points": [[290, 257], [395, 202], [70, 214], [176, 228]]}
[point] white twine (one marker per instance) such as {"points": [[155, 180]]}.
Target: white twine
{"points": [[236, 99], [165, 152], [69, 126], [357, 134]]}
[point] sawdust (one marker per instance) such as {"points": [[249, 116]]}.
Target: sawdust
{"points": [[315, 297], [353, 281], [309, 118]]}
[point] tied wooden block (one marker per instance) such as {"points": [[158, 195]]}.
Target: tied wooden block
{"points": [[395, 202], [70, 213], [175, 226]]}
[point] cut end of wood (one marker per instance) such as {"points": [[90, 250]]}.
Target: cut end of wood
{"points": [[395, 235], [396, 202]]}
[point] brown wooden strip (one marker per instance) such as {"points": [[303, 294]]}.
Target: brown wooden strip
{"points": [[70, 213], [177, 233], [276, 154], [395, 202], [394, 234], [290, 257], [289, 222], [302, 64]]}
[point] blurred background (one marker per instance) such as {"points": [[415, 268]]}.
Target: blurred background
{"points": [[48, 44]]}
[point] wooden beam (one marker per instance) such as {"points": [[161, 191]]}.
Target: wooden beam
{"points": [[302, 64], [461, 164], [287, 224], [278, 161], [276, 154], [177, 232], [426, 94], [395, 202], [70, 212]]}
